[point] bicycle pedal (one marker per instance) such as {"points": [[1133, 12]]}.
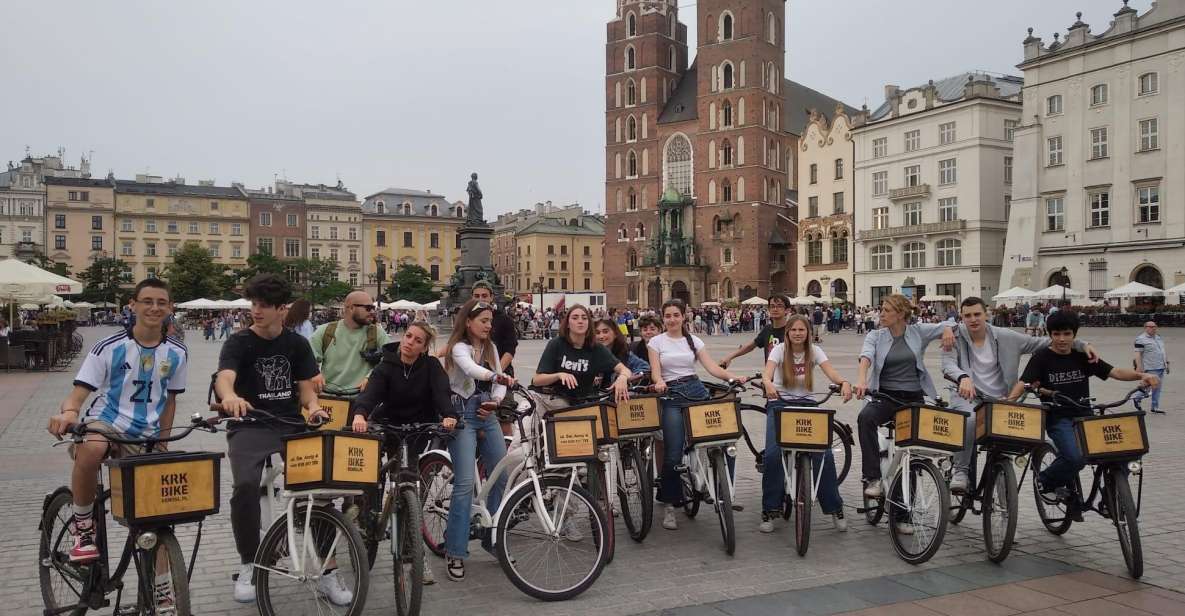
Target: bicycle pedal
{"points": [[708, 500], [738, 507], [681, 468]]}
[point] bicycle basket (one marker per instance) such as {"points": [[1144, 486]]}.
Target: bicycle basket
{"points": [[164, 488], [331, 460], [931, 427], [1009, 426], [604, 415], [807, 428], [712, 421], [338, 408], [569, 440], [1111, 437], [638, 415]]}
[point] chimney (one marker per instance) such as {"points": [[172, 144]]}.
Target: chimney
{"points": [[891, 92]]}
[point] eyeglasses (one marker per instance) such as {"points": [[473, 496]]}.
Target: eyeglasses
{"points": [[367, 307]]}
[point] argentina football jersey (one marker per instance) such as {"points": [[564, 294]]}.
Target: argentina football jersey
{"points": [[133, 382]]}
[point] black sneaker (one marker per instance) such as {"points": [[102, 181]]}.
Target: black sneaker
{"points": [[1158, 411]]}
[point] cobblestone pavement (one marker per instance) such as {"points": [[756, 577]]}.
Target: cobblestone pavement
{"points": [[687, 567]]}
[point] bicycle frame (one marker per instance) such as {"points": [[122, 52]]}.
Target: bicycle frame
{"points": [[899, 459], [307, 547], [695, 458]]}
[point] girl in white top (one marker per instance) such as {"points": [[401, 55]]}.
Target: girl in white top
{"points": [[673, 355], [478, 385], [788, 379]]}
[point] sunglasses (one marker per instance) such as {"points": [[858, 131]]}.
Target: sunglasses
{"points": [[479, 306], [367, 307]]}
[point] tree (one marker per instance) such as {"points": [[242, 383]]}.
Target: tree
{"points": [[104, 280], [412, 282], [259, 263], [331, 293], [312, 274], [194, 274], [47, 264]]}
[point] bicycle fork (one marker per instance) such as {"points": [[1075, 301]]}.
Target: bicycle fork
{"points": [[789, 472]]}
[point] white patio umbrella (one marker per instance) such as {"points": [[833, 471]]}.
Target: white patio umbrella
{"points": [[710, 304], [432, 305], [20, 281], [84, 305], [194, 304], [1179, 289], [405, 304], [755, 301], [805, 300], [1012, 295], [242, 302], [1134, 289], [938, 298], [105, 305], [1057, 291]]}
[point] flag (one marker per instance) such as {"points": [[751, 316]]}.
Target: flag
{"points": [[560, 306]]}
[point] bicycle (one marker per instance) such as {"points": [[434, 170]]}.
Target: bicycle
{"points": [[713, 427], [535, 527], [393, 510], [1114, 444], [149, 493], [912, 446]]}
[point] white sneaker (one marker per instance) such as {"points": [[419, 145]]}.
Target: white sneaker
{"points": [[245, 585], [840, 523], [873, 489], [429, 579], [668, 519], [767, 522], [959, 482], [330, 585]]}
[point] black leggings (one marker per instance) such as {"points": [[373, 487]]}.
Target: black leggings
{"points": [[876, 413]]}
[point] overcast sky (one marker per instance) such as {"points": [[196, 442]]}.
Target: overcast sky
{"points": [[418, 94]]}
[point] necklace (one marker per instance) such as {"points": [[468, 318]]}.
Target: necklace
{"points": [[406, 368]]}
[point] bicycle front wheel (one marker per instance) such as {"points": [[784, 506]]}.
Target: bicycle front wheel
{"points": [[436, 494], [407, 552], [1053, 511], [161, 597], [63, 583], [841, 449], [329, 566], [802, 503], [999, 510], [1122, 508], [635, 492], [598, 486], [724, 501], [917, 519], [551, 565]]}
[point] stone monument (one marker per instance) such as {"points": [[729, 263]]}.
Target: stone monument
{"points": [[476, 264]]}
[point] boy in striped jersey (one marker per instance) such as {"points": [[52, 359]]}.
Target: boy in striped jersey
{"points": [[137, 374]]}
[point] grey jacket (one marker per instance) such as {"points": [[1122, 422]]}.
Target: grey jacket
{"points": [[1010, 345], [878, 342]]}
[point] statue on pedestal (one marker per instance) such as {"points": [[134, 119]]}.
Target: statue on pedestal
{"points": [[475, 216]]}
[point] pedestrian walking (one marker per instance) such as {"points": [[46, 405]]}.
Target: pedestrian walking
{"points": [[1151, 358]]}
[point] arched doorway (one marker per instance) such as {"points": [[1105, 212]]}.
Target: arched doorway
{"points": [[679, 291], [1149, 275], [654, 295], [726, 290], [814, 288], [840, 288], [1060, 277]]}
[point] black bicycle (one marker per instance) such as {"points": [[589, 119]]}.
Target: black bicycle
{"points": [[1114, 444], [149, 494]]}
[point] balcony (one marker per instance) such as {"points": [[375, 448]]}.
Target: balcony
{"points": [[921, 191], [906, 230]]}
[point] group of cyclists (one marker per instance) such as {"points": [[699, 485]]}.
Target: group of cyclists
{"points": [[139, 372]]}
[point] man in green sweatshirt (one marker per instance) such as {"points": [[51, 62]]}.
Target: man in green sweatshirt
{"points": [[340, 346]]}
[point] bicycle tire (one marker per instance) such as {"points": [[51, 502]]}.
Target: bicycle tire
{"points": [[436, 492], [941, 494], [691, 498], [966, 503], [803, 504], [274, 547], [724, 502], [53, 556], [843, 433], [407, 553], [370, 526], [1122, 505], [519, 506], [1047, 506], [999, 544], [637, 502], [873, 514], [598, 486], [165, 540]]}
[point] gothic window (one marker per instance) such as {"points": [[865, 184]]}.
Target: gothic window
{"points": [[633, 200], [621, 232], [631, 129], [726, 27], [632, 259], [640, 231], [772, 27], [631, 93], [727, 73], [673, 58], [726, 191], [726, 111], [726, 153], [630, 57], [631, 25], [678, 161], [632, 164]]}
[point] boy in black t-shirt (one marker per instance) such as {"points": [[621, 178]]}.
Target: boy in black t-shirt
{"points": [[1066, 371], [769, 336]]}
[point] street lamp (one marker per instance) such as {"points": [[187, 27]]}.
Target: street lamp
{"points": [[540, 291], [379, 276], [1064, 280]]}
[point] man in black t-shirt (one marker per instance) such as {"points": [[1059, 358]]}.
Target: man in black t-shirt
{"points": [[270, 368], [1066, 371], [769, 336]]}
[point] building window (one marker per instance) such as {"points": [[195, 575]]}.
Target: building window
{"points": [[97, 242], [353, 234], [172, 250], [125, 226], [812, 207], [1055, 150], [1010, 129], [59, 242], [193, 228], [913, 140], [150, 203], [632, 165], [315, 232], [1100, 209], [97, 223], [291, 248], [407, 239], [1098, 94], [150, 226], [434, 271], [913, 255], [1149, 134], [434, 240], [354, 279], [380, 237], [949, 253], [59, 221], [150, 249], [1149, 204], [880, 182], [172, 227], [630, 57], [1055, 214], [1098, 143], [1007, 169], [727, 259], [726, 191], [946, 133], [839, 247], [679, 165], [839, 168], [236, 251], [587, 251], [631, 25], [125, 249], [551, 284], [333, 233], [214, 228], [880, 218], [881, 257], [947, 171], [315, 253], [632, 200], [726, 154], [814, 249], [912, 214], [236, 228], [837, 203], [948, 209], [880, 147], [726, 27], [265, 219], [1149, 84], [814, 173], [913, 175], [214, 250], [1053, 105], [266, 246], [353, 255], [292, 220]]}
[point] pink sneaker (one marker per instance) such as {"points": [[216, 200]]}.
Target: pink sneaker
{"points": [[84, 549]]}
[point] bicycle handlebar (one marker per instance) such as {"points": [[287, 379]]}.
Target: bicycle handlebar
{"points": [[412, 429], [262, 415], [78, 432], [1085, 403]]}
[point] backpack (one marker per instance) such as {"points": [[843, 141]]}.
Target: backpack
{"points": [[372, 337]]}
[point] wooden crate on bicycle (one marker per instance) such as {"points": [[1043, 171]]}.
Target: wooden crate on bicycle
{"points": [[604, 415], [331, 460], [338, 408], [932, 427], [638, 415], [1009, 426], [1107, 438], [164, 488], [807, 428], [569, 440], [712, 421]]}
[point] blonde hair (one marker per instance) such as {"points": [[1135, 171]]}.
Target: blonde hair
{"points": [[429, 333], [461, 334], [788, 375], [899, 303]]}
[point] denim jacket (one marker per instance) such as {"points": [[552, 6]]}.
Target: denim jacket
{"points": [[918, 336]]}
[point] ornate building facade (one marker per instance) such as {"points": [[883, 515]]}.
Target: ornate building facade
{"points": [[825, 202]]}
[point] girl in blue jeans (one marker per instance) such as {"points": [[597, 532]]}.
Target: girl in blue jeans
{"points": [[673, 355], [478, 385], [789, 379]]}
